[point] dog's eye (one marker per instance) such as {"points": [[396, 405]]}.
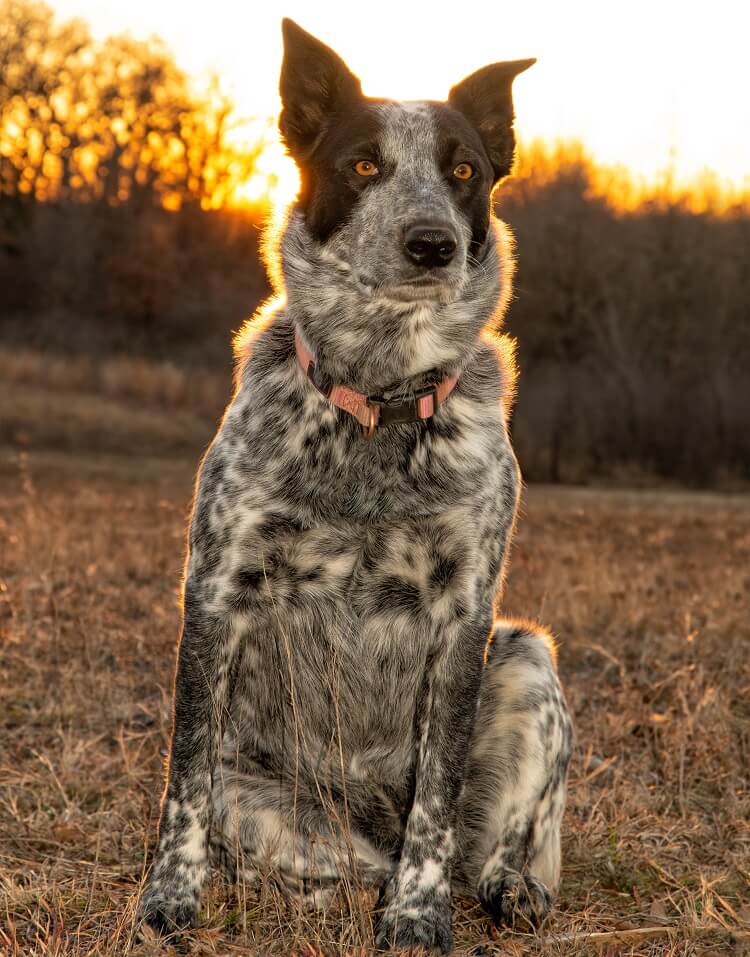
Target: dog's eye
{"points": [[366, 168], [463, 171]]}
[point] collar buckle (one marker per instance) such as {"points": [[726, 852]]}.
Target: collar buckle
{"points": [[372, 411], [421, 404]]}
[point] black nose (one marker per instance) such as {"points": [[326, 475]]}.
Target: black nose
{"points": [[430, 244]]}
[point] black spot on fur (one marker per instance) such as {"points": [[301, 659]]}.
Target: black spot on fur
{"points": [[249, 578], [443, 571], [394, 594], [247, 587], [275, 523]]}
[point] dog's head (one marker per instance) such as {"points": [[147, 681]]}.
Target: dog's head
{"points": [[394, 205]]}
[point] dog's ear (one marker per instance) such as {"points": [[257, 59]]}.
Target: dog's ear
{"points": [[486, 98], [314, 82]]}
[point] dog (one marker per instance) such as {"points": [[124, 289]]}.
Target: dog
{"points": [[346, 699]]}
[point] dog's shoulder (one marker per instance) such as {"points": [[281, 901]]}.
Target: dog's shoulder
{"points": [[491, 375], [263, 341]]}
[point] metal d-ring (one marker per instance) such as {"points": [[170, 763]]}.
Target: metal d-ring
{"points": [[369, 429]]}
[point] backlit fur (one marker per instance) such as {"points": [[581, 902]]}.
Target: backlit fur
{"points": [[346, 698]]}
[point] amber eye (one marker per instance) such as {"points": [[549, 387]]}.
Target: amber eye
{"points": [[366, 168], [463, 171]]}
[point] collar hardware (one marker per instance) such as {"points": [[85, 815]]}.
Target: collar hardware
{"points": [[374, 411], [421, 404]]}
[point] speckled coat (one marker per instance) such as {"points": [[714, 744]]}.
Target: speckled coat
{"points": [[346, 698]]}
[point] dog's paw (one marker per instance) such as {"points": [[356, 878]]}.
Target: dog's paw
{"points": [[515, 900], [168, 912], [409, 928]]}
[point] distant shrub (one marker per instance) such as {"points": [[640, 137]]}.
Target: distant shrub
{"points": [[633, 328]]}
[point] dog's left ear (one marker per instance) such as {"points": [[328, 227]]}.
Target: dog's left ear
{"points": [[314, 82], [486, 98]]}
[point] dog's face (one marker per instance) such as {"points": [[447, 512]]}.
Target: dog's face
{"points": [[392, 262], [398, 191]]}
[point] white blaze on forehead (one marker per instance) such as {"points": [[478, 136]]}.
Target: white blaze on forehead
{"points": [[414, 106], [409, 138]]}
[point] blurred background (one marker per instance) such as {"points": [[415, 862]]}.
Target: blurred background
{"points": [[136, 174]]}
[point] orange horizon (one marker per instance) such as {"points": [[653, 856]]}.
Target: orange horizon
{"points": [[274, 181], [638, 137], [653, 90]]}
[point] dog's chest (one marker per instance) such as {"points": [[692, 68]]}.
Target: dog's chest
{"points": [[345, 566], [354, 611], [365, 584]]}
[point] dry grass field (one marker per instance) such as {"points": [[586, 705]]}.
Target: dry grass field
{"points": [[649, 594]]}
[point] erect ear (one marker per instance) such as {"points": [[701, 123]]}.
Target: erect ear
{"points": [[486, 98], [314, 82]]}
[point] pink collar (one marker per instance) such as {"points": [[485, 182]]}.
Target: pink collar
{"points": [[372, 411]]}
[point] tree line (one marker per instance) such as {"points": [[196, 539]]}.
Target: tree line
{"points": [[117, 236]]}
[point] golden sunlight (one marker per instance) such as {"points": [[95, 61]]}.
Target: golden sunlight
{"points": [[650, 91], [274, 180]]}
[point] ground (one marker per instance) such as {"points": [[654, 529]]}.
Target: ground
{"points": [[647, 592]]}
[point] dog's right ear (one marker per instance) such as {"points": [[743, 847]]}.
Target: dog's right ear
{"points": [[314, 82]]}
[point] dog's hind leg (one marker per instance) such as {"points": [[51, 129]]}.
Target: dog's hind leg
{"points": [[515, 787], [261, 833]]}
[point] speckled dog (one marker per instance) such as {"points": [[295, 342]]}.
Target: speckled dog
{"points": [[345, 698]]}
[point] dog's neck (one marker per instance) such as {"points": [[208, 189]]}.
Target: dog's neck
{"points": [[372, 343]]}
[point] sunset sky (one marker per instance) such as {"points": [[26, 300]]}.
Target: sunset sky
{"points": [[643, 84]]}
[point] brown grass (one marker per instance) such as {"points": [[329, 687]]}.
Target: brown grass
{"points": [[116, 377], [122, 404], [648, 594]]}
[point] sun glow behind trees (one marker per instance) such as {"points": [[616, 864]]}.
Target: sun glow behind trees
{"points": [[113, 118], [658, 88], [110, 119]]}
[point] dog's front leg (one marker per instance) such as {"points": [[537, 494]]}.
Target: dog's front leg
{"points": [[417, 897], [170, 900]]}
